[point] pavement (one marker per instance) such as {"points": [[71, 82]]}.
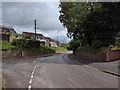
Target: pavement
{"points": [[56, 71], [112, 67]]}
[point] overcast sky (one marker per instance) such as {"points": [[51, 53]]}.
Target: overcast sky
{"points": [[21, 16]]}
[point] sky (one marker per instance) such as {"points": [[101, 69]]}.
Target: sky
{"points": [[21, 16]]}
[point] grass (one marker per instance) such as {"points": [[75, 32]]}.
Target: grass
{"points": [[58, 48], [6, 45]]}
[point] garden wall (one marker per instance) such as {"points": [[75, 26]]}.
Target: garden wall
{"points": [[112, 55], [91, 56], [108, 55], [22, 53]]}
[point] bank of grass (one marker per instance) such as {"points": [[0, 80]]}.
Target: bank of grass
{"points": [[58, 48], [7, 45]]}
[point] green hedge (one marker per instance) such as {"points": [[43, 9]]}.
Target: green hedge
{"points": [[26, 43]]}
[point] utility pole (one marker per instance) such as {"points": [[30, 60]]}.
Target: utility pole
{"points": [[57, 40], [35, 27]]}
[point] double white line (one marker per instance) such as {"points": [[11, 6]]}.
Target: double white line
{"points": [[39, 59]]}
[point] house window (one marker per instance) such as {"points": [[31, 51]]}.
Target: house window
{"points": [[41, 37]]}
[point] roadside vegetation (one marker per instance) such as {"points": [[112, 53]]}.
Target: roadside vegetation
{"points": [[6, 45], [26, 44], [92, 26]]}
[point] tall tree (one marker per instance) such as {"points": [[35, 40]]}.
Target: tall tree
{"points": [[91, 21]]}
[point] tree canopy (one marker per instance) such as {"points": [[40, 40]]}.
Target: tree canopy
{"points": [[91, 22]]}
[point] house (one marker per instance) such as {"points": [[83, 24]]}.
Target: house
{"points": [[8, 33], [31, 35], [6, 29], [47, 41], [39, 37], [51, 41]]}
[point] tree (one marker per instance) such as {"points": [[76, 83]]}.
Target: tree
{"points": [[91, 21], [65, 45], [74, 44]]}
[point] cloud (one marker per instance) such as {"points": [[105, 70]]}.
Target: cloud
{"points": [[21, 16]]}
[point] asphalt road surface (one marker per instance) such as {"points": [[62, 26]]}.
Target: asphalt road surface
{"points": [[56, 71]]}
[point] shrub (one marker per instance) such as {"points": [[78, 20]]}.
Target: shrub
{"points": [[75, 44], [26, 43], [87, 49], [116, 48], [66, 45]]}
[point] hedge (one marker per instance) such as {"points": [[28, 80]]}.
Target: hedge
{"points": [[26, 43]]}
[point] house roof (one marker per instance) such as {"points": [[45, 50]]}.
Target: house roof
{"points": [[9, 27], [30, 33], [48, 38], [52, 39]]}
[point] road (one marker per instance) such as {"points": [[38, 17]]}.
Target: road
{"points": [[56, 71]]}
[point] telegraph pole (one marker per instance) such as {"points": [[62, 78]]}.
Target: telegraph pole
{"points": [[35, 27], [57, 40]]}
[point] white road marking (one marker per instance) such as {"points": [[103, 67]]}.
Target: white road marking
{"points": [[87, 66], [29, 87], [31, 77], [37, 60], [33, 72], [30, 82]]}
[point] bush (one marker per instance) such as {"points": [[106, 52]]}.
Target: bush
{"points": [[87, 49], [26, 43], [97, 44], [75, 44], [65, 45]]}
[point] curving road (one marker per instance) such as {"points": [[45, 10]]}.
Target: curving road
{"points": [[56, 71]]}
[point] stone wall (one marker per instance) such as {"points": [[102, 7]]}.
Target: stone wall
{"points": [[91, 56], [112, 55], [108, 55], [22, 53]]}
